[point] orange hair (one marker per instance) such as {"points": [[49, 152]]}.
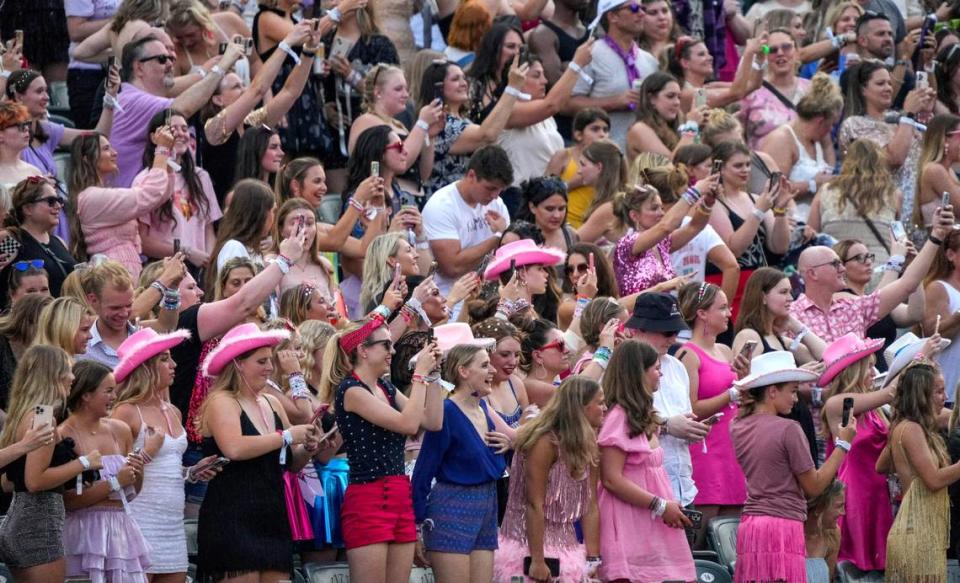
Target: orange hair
{"points": [[12, 114], [470, 22]]}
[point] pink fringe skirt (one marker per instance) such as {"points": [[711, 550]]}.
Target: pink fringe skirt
{"points": [[770, 548]]}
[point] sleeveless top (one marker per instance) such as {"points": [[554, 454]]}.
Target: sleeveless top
{"points": [[62, 454], [806, 168], [566, 44], [512, 419], [578, 199], [949, 357], [373, 451], [755, 255]]}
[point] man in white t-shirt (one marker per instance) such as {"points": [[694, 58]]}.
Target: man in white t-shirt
{"points": [[464, 220], [617, 63], [657, 321]]}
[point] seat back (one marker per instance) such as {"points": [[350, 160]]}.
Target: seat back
{"points": [[722, 534], [329, 210], [327, 572], [710, 572]]}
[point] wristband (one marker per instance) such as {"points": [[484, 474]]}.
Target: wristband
{"points": [[798, 339], [593, 563], [579, 71], [114, 484], [84, 461], [283, 263], [147, 458], [582, 303], [5, 74], [164, 151], [382, 311], [159, 287], [355, 204], [779, 211], [283, 46], [111, 102], [419, 378], [218, 71], [734, 394], [907, 120], [691, 127], [198, 70], [842, 444], [659, 507], [516, 93], [287, 438], [691, 195], [423, 246], [335, 15], [901, 63], [935, 241], [171, 300], [759, 214], [423, 125], [298, 385], [757, 65], [704, 209], [817, 396]]}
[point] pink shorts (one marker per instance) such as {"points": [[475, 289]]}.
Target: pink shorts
{"points": [[378, 512]]}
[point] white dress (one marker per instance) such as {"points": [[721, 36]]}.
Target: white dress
{"points": [[159, 507]]}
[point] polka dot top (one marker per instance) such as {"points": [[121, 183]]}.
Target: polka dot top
{"points": [[373, 452]]}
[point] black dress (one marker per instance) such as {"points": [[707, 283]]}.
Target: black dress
{"points": [[243, 524]]}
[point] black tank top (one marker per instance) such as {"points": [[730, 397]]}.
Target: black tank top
{"points": [[566, 44]]}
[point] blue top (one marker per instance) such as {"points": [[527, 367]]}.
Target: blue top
{"points": [[456, 454], [373, 452]]}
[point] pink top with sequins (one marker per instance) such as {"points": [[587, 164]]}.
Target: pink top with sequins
{"points": [[636, 273]]}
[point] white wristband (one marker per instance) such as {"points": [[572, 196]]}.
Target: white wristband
{"points": [[283, 46], [841, 444], [759, 214], [84, 461], [217, 70], [734, 394], [579, 71], [516, 93], [423, 125], [114, 484]]}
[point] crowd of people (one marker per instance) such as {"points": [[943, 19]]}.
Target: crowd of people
{"points": [[513, 290]]}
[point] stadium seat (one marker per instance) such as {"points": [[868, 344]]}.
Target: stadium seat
{"points": [[710, 572], [722, 534], [62, 119], [190, 525], [327, 572], [330, 208], [5, 575], [706, 555], [847, 572]]}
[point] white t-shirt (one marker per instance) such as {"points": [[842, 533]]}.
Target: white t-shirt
{"points": [[609, 75], [673, 398], [447, 216], [691, 259]]}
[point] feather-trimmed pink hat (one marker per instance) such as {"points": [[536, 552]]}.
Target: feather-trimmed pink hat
{"points": [[524, 252], [238, 341], [843, 352], [143, 345]]}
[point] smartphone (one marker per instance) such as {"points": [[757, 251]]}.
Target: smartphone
{"points": [[42, 416], [438, 91], [700, 98], [374, 168], [775, 179], [316, 24], [223, 48], [922, 80], [433, 269], [748, 348], [552, 564], [329, 433], [695, 517], [111, 63], [248, 46], [717, 166], [341, 48], [167, 116], [430, 335], [713, 419], [591, 262], [928, 22], [513, 269], [847, 409], [176, 246], [18, 34], [320, 411], [215, 464], [300, 221], [945, 200], [936, 327], [10, 246], [897, 230], [483, 265]]}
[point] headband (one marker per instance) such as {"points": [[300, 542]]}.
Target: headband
{"points": [[351, 340]]}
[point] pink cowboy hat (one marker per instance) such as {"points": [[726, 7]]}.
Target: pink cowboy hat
{"points": [[143, 345], [843, 352], [240, 340], [454, 334], [524, 252]]}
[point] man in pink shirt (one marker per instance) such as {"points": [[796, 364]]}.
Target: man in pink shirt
{"points": [[831, 316], [147, 72]]}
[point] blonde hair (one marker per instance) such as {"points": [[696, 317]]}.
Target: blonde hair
{"points": [[822, 99], [337, 364], [59, 322], [376, 78], [563, 418], [140, 384], [376, 272], [933, 150], [865, 180], [185, 13], [459, 356], [38, 380], [111, 273], [856, 378], [314, 335], [632, 200], [719, 121]]}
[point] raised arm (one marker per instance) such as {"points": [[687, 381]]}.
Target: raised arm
{"points": [[897, 292], [527, 113], [475, 136], [190, 101]]}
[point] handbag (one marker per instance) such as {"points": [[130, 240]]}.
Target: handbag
{"points": [[300, 527]]}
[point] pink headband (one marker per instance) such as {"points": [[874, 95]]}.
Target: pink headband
{"points": [[351, 340]]}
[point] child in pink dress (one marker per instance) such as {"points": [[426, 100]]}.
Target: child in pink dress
{"points": [[641, 526]]}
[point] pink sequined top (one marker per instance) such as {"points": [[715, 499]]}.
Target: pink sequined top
{"points": [[566, 502], [636, 273]]}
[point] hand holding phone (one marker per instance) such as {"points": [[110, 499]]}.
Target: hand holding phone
{"points": [[897, 231], [592, 263], [748, 348], [42, 416], [847, 410], [945, 200]]}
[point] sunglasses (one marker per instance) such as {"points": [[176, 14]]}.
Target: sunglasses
{"points": [[387, 343], [558, 344], [23, 126], [836, 264], [162, 59], [579, 268], [785, 48], [398, 146], [25, 265], [633, 7], [52, 201], [862, 258]]}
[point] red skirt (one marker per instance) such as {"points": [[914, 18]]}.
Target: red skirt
{"points": [[717, 279], [378, 512]]}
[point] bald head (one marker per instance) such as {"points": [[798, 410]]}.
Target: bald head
{"points": [[814, 256], [822, 271]]}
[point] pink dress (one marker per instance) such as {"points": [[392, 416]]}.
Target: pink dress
{"points": [[567, 499], [636, 546], [636, 273], [716, 472], [868, 518]]}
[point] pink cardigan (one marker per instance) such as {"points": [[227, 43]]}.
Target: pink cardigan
{"points": [[108, 217]]}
